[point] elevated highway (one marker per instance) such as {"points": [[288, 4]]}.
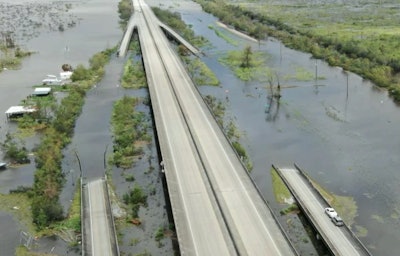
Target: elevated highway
{"points": [[132, 24], [198, 222], [340, 240], [204, 175]]}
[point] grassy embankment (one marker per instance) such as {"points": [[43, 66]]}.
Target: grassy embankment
{"points": [[361, 39]]}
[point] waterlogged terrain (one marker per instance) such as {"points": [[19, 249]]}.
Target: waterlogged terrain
{"points": [[341, 129], [338, 127]]}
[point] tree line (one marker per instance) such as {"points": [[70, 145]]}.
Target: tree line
{"points": [[376, 59]]}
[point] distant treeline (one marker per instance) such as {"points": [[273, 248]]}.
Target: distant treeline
{"points": [[372, 59]]}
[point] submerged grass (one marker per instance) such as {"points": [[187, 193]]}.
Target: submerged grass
{"points": [[223, 35], [281, 191], [345, 206], [19, 205]]}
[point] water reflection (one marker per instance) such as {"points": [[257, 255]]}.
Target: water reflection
{"points": [[272, 108], [341, 129]]}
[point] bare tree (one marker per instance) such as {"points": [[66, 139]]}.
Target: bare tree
{"points": [[247, 57]]}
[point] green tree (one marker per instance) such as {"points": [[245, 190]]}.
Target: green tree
{"points": [[14, 152], [80, 73], [125, 9], [98, 61]]}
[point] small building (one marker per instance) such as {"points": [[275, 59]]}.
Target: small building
{"points": [[42, 91], [19, 110]]}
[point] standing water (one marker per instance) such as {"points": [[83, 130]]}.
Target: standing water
{"points": [[341, 129]]}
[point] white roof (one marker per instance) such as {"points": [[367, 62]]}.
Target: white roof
{"points": [[42, 90], [19, 110]]}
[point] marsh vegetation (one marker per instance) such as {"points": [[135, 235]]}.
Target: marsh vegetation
{"points": [[361, 38]]}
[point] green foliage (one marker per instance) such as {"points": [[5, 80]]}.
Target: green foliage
{"points": [[99, 60], [199, 72], [247, 58], [69, 110], [14, 151], [9, 63], [133, 76], [130, 178], [239, 149], [73, 220], [290, 209], [281, 191], [223, 35], [174, 21], [394, 91], [216, 107], [135, 198], [49, 179], [11, 58], [159, 234], [129, 127], [361, 40], [45, 211], [21, 54], [242, 155], [231, 131], [80, 73], [247, 65], [125, 10]]}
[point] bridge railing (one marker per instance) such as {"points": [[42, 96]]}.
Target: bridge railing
{"points": [[307, 178], [307, 213], [83, 243], [110, 216], [247, 173]]}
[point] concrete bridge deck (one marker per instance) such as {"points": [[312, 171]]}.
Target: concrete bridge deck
{"points": [[98, 234], [340, 240], [216, 206]]}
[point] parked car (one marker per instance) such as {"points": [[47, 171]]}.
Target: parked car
{"points": [[337, 221], [51, 80], [330, 212]]}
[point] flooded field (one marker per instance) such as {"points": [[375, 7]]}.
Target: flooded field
{"points": [[341, 129]]}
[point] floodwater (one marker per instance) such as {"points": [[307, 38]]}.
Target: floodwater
{"points": [[10, 240], [96, 29], [340, 129]]}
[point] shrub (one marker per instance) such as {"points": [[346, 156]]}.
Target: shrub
{"points": [[14, 152], [80, 73]]}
